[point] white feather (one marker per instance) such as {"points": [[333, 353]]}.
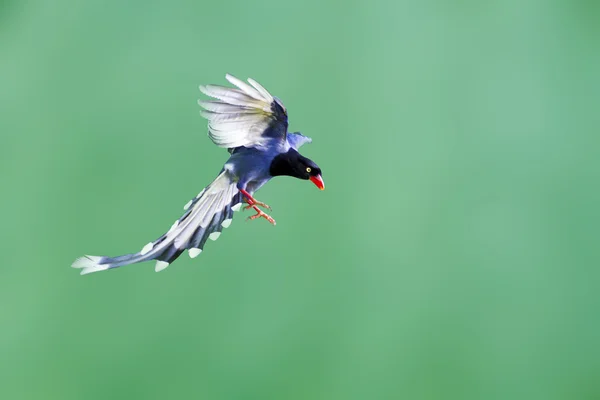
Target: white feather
{"points": [[261, 89], [230, 96], [236, 131], [192, 222], [95, 268], [185, 228], [89, 264], [211, 201], [194, 252], [215, 198], [238, 134], [86, 261], [249, 90], [173, 227], [147, 248], [231, 117], [209, 211], [223, 108], [242, 115], [160, 265]]}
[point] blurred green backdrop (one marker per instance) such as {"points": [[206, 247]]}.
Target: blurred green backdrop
{"points": [[453, 255]]}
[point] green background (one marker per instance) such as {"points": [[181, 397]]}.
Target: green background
{"points": [[453, 255]]}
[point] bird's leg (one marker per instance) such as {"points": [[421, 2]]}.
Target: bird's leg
{"points": [[253, 203]]}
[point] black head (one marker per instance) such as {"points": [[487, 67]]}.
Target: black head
{"points": [[295, 164]]}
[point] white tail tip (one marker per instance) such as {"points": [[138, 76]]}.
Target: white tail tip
{"points": [[194, 252], [147, 249], [160, 265], [89, 264]]}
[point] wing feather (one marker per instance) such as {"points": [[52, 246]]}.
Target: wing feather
{"points": [[249, 90], [244, 116], [228, 117], [261, 89], [224, 108]]}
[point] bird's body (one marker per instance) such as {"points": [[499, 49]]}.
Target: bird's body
{"points": [[250, 167], [252, 124], [253, 167]]}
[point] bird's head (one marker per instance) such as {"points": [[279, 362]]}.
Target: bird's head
{"points": [[311, 171], [295, 164]]}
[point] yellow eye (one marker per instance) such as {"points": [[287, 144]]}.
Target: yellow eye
{"points": [[308, 169]]}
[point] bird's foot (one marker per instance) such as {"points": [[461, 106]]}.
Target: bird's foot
{"points": [[253, 203], [260, 213]]}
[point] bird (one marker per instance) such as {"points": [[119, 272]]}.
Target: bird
{"points": [[252, 125]]}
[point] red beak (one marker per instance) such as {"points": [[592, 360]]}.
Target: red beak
{"points": [[318, 181]]}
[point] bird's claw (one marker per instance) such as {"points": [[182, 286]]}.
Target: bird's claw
{"points": [[253, 203], [257, 203], [259, 214]]}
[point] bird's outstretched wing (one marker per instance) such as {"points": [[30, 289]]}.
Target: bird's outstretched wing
{"points": [[205, 217], [247, 116]]}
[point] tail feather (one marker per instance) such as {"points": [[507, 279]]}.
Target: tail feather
{"points": [[170, 255], [201, 235], [204, 218], [89, 264]]}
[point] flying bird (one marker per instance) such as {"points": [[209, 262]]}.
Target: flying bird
{"points": [[253, 125]]}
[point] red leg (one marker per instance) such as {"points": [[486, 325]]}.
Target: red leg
{"points": [[253, 203]]}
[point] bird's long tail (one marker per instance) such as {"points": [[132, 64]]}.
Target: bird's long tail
{"points": [[205, 217]]}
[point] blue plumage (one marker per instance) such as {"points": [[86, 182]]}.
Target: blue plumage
{"points": [[253, 125]]}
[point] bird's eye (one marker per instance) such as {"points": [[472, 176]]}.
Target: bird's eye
{"points": [[308, 169]]}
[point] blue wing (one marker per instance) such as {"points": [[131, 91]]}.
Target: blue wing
{"points": [[297, 139]]}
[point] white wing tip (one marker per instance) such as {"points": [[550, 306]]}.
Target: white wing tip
{"points": [[214, 236], [226, 223], [268, 96], [160, 265], [236, 207], [194, 252], [204, 90]]}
